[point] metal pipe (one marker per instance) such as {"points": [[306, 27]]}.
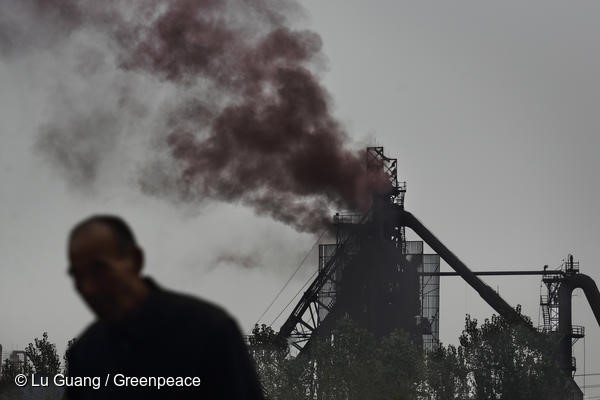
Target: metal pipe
{"points": [[487, 293], [490, 273], [565, 327]]}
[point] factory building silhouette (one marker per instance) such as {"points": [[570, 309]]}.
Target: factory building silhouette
{"points": [[384, 282]]}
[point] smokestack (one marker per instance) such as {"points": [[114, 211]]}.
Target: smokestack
{"points": [[252, 125]]}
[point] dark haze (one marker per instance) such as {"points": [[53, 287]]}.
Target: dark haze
{"points": [[259, 131]]}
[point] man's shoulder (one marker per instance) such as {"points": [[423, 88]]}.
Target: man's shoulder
{"points": [[183, 306], [87, 339], [191, 315], [165, 309]]}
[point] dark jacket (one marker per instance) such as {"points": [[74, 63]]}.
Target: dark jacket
{"points": [[171, 336]]}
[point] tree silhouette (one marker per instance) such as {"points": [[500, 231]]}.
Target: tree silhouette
{"points": [[495, 360], [42, 358], [506, 361]]}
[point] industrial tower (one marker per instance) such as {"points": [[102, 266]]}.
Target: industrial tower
{"points": [[371, 274]]}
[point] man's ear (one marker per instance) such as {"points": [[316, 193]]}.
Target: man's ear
{"points": [[138, 256]]}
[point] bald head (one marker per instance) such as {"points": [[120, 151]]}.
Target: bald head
{"points": [[120, 230]]}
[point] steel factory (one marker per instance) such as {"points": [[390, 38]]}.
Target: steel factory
{"points": [[383, 281]]}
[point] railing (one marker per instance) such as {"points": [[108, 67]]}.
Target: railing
{"points": [[577, 331], [572, 266], [545, 329]]}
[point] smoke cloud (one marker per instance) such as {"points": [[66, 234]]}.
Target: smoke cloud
{"points": [[246, 119]]}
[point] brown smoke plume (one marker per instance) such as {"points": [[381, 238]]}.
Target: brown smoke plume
{"points": [[262, 133]]}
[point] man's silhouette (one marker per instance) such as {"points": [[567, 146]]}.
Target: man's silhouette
{"points": [[147, 332]]}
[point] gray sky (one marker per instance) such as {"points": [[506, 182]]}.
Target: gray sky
{"points": [[491, 109]]}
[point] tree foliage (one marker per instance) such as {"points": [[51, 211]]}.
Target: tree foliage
{"points": [[506, 361], [10, 369], [270, 357], [349, 363], [494, 360], [447, 374], [42, 358]]}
